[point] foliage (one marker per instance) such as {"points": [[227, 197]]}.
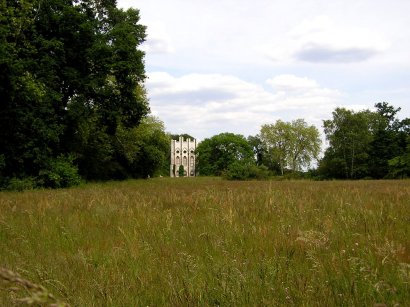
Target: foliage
{"points": [[60, 173], [184, 135], [390, 141], [240, 170], [21, 184], [399, 167], [215, 154], [291, 144], [361, 144], [181, 171], [144, 149], [349, 134], [258, 148], [71, 72]]}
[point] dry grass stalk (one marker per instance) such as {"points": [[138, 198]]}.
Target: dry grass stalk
{"points": [[37, 293]]}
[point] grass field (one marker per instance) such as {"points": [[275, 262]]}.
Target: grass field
{"points": [[206, 241]]}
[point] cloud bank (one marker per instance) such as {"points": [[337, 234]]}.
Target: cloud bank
{"points": [[207, 104]]}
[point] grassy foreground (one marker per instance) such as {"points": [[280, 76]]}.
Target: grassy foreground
{"points": [[207, 241]]}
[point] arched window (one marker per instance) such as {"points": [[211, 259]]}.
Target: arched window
{"points": [[177, 160], [192, 161], [185, 161]]}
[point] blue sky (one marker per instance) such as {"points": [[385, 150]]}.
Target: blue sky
{"points": [[231, 66]]}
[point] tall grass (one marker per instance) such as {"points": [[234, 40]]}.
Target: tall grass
{"points": [[206, 241]]}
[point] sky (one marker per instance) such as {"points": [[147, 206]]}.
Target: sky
{"points": [[218, 66]]}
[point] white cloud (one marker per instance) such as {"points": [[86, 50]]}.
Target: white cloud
{"points": [[208, 104], [156, 46], [322, 40], [290, 83], [158, 40]]}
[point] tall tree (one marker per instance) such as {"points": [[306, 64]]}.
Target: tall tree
{"points": [[305, 144], [216, 154], [349, 134], [258, 148], [291, 144], [71, 72], [151, 156], [390, 140], [276, 138], [365, 143]]}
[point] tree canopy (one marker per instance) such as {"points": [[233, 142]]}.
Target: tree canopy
{"points": [[72, 82], [217, 153], [366, 144], [291, 144]]}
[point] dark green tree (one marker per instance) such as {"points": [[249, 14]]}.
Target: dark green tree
{"points": [[365, 144], [399, 167], [216, 154], [145, 148], [349, 134], [390, 140], [71, 73], [258, 148]]}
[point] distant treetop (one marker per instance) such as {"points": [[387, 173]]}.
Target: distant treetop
{"points": [[184, 135]]}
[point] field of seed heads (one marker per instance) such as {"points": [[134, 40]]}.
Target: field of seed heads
{"points": [[208, 242]]}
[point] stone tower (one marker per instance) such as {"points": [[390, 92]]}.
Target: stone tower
{"points": [[183, 153]]}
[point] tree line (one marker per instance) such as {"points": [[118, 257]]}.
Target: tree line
{"points": [[364, 144], [74, 108]]}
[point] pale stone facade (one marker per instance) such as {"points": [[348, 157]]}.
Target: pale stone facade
{"points": [[183, 153]]}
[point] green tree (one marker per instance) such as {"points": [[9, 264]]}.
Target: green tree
{"points": [[71, 72], [291, 144], [258, 148], [144, 150], [349, 134], [215, 154], [305, 145], [29, 124], [389, 141], [399, 167], [365, 143], [276, 138]]}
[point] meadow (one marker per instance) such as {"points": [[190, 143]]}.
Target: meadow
{"points": [[208, 242]]}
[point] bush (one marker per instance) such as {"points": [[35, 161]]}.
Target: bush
{"points": [[236, 171], [239, 170], [17, 184], [181, 171], [61, 173]]}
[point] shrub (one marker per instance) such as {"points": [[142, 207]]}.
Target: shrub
{"points": [[181, 172], [17, 184], [61, 173], [239, 170]]}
